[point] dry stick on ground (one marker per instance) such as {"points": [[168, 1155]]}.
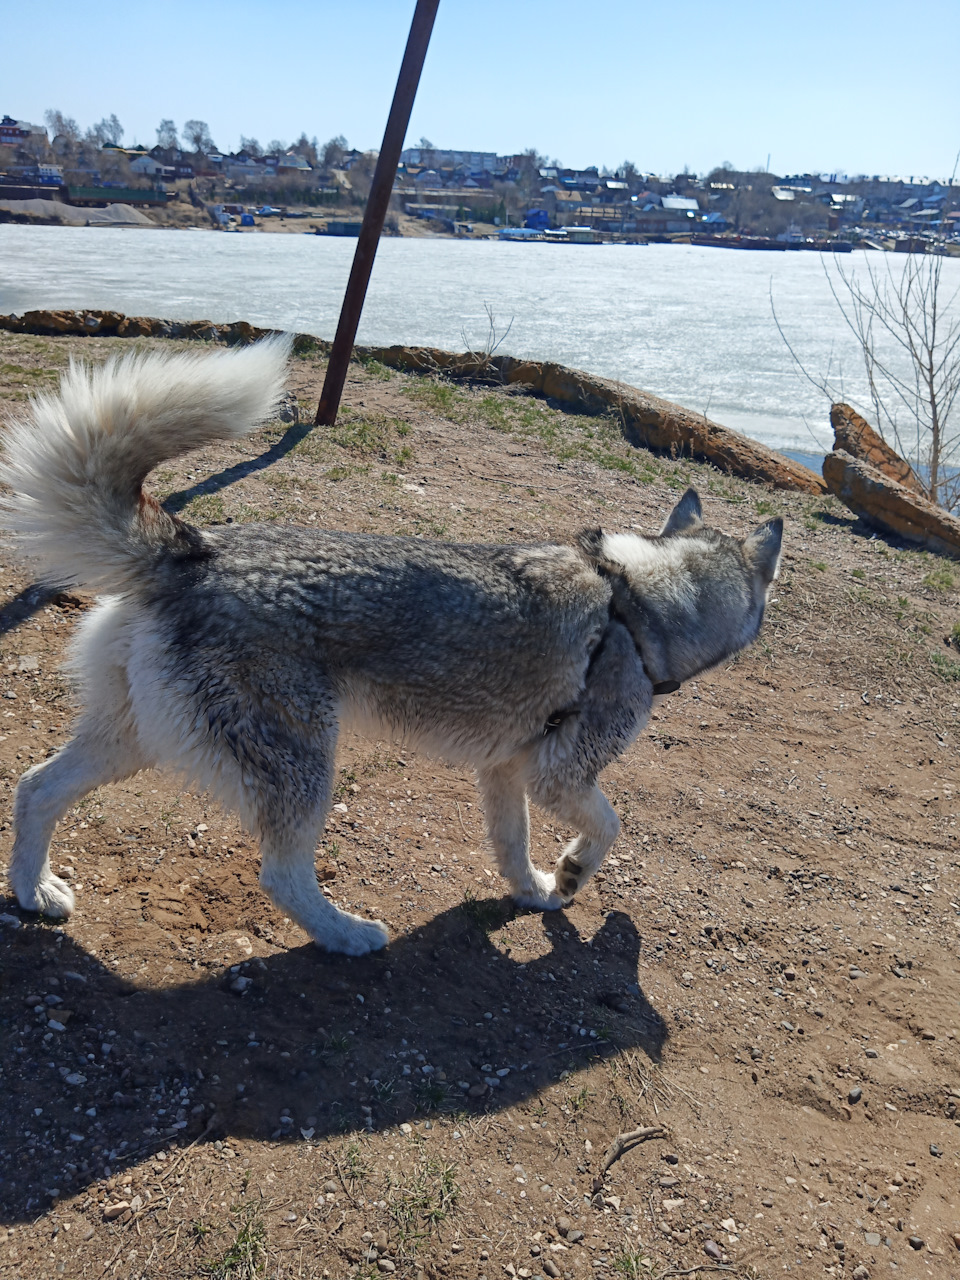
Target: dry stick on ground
{"points": [[624, 1142], [692, 1271], [214, 1120]]}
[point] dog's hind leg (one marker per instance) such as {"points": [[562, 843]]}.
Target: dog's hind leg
{"points": [[503, 788], [590, 812], [105, 749]]}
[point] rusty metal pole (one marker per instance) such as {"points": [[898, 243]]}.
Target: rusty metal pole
{"points": [[381, 190]]}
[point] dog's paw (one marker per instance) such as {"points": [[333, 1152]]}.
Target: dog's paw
{"points": [[569, 876], [354, 936], [541, 895], [50, 897]]}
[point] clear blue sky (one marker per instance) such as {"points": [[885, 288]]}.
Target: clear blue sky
{"points": [[861, 87]]}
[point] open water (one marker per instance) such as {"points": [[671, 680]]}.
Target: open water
{"points": [[688, 323]]}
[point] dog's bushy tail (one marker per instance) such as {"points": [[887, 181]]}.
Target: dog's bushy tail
{"points": [[76, 464]]}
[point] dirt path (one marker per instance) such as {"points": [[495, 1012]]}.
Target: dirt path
{"points": [[767, 966]]}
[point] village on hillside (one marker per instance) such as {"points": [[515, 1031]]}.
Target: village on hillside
{"points": [[185, 179]]}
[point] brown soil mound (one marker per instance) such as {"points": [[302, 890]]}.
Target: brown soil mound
{"points": [[767, 965]]}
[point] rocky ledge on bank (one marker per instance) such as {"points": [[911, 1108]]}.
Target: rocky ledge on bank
{"points": [[880, 487], [647, 421]]}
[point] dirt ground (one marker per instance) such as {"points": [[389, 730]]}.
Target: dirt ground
{"points": [[767, 967]]}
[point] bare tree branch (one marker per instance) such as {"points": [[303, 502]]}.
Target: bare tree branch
{"points": [[907, 327]]}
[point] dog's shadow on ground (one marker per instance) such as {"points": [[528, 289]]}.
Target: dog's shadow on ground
{"points": [[297, 1045]]}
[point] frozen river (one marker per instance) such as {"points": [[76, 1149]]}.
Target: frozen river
{"points": [[692, 324]]}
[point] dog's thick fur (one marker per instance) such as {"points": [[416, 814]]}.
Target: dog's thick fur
{"points": [[234, 654]]}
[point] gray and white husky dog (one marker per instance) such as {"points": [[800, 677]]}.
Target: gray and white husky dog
{"points": [[235, 653]]}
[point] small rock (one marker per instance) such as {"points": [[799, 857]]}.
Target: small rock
{"points": [[767, 1202], [113, 1211], [574, 1235], [790, 974], [855, 1094], [331, 1188], [10, 921], [756, 1055], [928, 1035], [551, 1269], [240, 984], [386, 1264], [478, 1090], [872, 1238], [712, 1250], [861, 1273], [935, 1150], [670, 1157], [856, 973], [667, 1183], [564, 1225], [915, 1242], [872, 1053]]}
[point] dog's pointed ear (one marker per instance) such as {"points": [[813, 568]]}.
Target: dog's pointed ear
{"points": [[686, 516], [762, 549]]}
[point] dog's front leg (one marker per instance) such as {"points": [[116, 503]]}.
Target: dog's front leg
{"points": [[508, 826], [590, 812], [289, 877]]}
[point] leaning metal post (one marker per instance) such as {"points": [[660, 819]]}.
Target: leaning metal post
{"points": [[376, 211]]}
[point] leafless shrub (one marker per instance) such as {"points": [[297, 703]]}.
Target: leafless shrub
{"points": [[906, 323]]}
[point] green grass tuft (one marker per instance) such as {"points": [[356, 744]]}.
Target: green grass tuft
{"points": [[947, 668], [247, 1256], [940, 579], [206, 508]]}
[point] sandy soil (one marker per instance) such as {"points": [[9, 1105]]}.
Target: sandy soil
{"points": [[767, 966]]}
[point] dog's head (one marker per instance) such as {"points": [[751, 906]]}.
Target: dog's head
{"points": [[691, 595]]}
